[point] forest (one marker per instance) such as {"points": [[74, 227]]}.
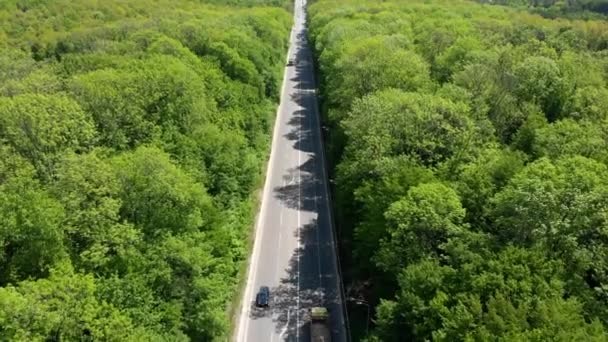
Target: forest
{"points": [[468, 145], [559, 8], [133, 135]]}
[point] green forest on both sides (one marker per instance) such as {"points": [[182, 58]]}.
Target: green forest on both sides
{"points": [[133, 134], [469, 146]]}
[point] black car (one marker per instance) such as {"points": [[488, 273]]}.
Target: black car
{"points": [[262, 299], [290, 62]]}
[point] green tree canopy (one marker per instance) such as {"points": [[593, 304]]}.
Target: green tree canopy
{"points": [[40, 127], [419, 225]]}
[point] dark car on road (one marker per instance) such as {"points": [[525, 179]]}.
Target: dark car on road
{"points": [[290, 62], [262, 299]]}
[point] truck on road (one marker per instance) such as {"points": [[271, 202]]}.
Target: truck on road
{"points": [[319, 325]]}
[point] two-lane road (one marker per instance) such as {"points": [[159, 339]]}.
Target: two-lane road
{"points": [[294, 250]]}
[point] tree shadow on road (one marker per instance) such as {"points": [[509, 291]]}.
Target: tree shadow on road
{"points": [[300, 189], [301, 131], [298, 291]]}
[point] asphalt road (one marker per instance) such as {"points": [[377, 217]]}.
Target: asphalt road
{"points": [[294, 250]]}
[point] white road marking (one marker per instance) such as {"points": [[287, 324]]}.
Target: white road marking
{"points": [[278, 263], [299, 231], [286, 325], [318, 226]]}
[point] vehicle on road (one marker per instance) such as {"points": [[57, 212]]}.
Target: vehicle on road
{"points": [[319, 325], [262, 299], [290, 62]]}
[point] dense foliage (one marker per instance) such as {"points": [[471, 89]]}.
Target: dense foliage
{"points": [[555, 8], [469, 149], [132, 136]]}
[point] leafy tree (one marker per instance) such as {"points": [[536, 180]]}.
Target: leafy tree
{"points": [[539, 80], [589, 103], [514, 295], [232, 164], [375, 196], [481, 179], [560, 206], [419, 224], [40, 127], [465, 50], [569, 138], [493, 92], [89, 191], [133, 107], [427, 128], [63, 307], [31, 235], [158, 197], [376, 64], [525, 137], [547, 201]]}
